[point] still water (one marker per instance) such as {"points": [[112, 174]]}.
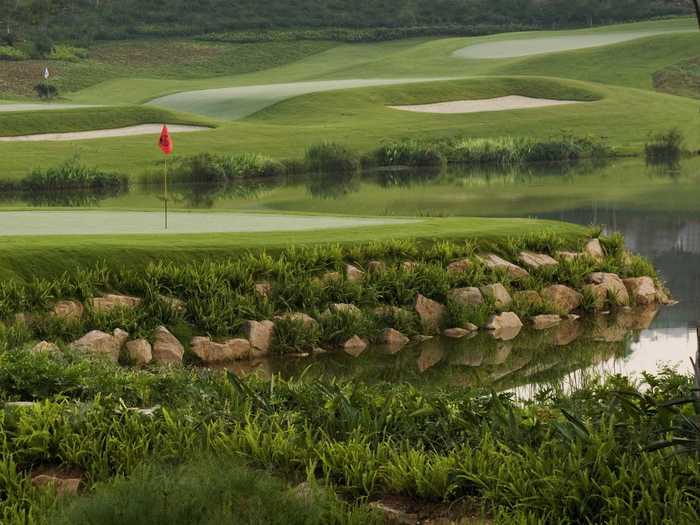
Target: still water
{"points": [[656, 208]]}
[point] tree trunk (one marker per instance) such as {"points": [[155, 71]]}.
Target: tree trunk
{"points": [[696, 3]]}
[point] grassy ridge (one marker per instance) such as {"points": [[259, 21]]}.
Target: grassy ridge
{"points": [[27, 257], [15, 123]]}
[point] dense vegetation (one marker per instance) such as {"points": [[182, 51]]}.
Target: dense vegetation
{"points": [[84, 20]]}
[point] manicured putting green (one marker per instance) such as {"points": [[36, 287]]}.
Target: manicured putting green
{"points": [[114, 222], [521, 47], [239, 102]]}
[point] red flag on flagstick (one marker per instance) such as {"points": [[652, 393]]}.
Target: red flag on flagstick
{"points": [[165, 143]]}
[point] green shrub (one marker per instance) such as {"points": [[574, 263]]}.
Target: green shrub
{"points": [[73, 175], [331, 157], [664, 147], [410, 153], [44, 90], [68, 53], [12, 53]]}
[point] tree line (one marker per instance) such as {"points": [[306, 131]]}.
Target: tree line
{"points": [[87, 20]]}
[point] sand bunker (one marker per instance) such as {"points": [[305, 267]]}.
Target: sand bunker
{"points": [[492, 104], [521, 47], [116, 222], [143, 129]]}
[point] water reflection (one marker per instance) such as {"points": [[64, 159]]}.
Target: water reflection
{"points": [[656, 208]]}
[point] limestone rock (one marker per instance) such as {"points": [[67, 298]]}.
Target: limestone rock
{"points": [[210, 352], [498, 294], [494, 262], [409, 266], [355, 346], [568, 256], [460, 266], [45, 347], [109, 302], [166, 348], [298, 317], [466, 296], [68, 310], [101, 343], [536, 261], [353, 273], [642, 290], [528, 298], [342, 308], [139, 351], [393, 338], [376, 267], [471, 327], [430, 312], [63, 486], [177, 305], [562, 298], [263, 289], [544, 322], [505, 326], [594, 249], [259, 333], [605, 285], [456, 333]]}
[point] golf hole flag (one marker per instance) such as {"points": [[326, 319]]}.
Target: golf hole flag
{"points": [[165, 142], [46, 73]]}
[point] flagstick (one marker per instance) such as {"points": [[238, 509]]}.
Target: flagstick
{"points": [[165, 190]]}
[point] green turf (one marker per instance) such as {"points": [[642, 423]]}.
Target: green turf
{"points": [[26, 257]]}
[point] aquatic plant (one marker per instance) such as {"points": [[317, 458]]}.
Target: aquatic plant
{"points": [[664, 147], [331, 157], [73, 175]]}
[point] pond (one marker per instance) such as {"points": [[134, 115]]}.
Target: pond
{"points": [[656, 208]]}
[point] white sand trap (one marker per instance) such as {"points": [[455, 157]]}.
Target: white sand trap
{"points": [[142, 129], [492, 104], [239, 102], [87, 222], [4, 108], [534, 45]]}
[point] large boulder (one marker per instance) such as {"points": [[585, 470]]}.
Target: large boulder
{"points": [[528, 299], [212, 353], [498, 294], [140, 352], [393, 338], [430, 312], [494, 262], [604, 286], [642, 290], [298, 317], [460, 266], [109, 302], [544, 322], [259, 333], [343, 308], [376, 267], [102, 344], [535, 261], [594, 249], [353, 273], [44, 347], [355, 346], [563, 299], [505, 326], [166, 347], [263, 289], [568, 256], [466, 296], [69, 310]]}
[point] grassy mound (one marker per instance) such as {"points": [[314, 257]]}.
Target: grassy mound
{"points": [[16, 123]]}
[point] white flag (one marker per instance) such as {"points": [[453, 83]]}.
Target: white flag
{"points": [[46, 73]]}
